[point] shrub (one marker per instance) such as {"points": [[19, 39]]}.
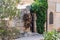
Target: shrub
{"points": [[40, 7], [8, 33], [13, 32], [52, 35]]}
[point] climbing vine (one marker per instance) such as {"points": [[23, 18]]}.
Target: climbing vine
{"points": [[40, 8]]}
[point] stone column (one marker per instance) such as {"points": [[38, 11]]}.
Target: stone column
{"points": [[35, 29]]}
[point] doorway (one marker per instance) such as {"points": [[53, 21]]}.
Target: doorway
{"points": [[32, 23]]}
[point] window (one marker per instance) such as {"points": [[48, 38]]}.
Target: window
{"points": [[51, 18], [57, 7]]}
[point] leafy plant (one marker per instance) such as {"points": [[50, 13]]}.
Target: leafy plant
{"points": [[52, 35], [13, 33], [3, 29], [8, 8], [40, 8], [6, 32]]}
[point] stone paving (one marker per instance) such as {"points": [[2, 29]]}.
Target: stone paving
{"points": [[33, 37]]}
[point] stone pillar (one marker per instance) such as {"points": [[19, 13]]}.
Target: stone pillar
{"points": [[35, 29]]}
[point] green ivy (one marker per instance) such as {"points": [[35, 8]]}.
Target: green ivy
{"points": [[40, 7]]}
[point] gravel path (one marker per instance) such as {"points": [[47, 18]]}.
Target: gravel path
{"points": [[33, 37]]}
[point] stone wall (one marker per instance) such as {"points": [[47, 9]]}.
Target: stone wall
{"points": [[18, 22], [56, 15]]}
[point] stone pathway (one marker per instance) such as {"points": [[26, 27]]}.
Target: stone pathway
{"points": [[32, 37]]}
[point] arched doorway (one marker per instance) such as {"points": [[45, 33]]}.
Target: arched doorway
{"points": [[51, 18]]}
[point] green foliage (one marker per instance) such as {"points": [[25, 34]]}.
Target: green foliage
{"points": [[8, 8], [52, 35], [40, 7], [3, 29], [8, 32], [13, 32]]}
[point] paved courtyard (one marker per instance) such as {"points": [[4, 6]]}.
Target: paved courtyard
{"points": [[33, 37]]}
